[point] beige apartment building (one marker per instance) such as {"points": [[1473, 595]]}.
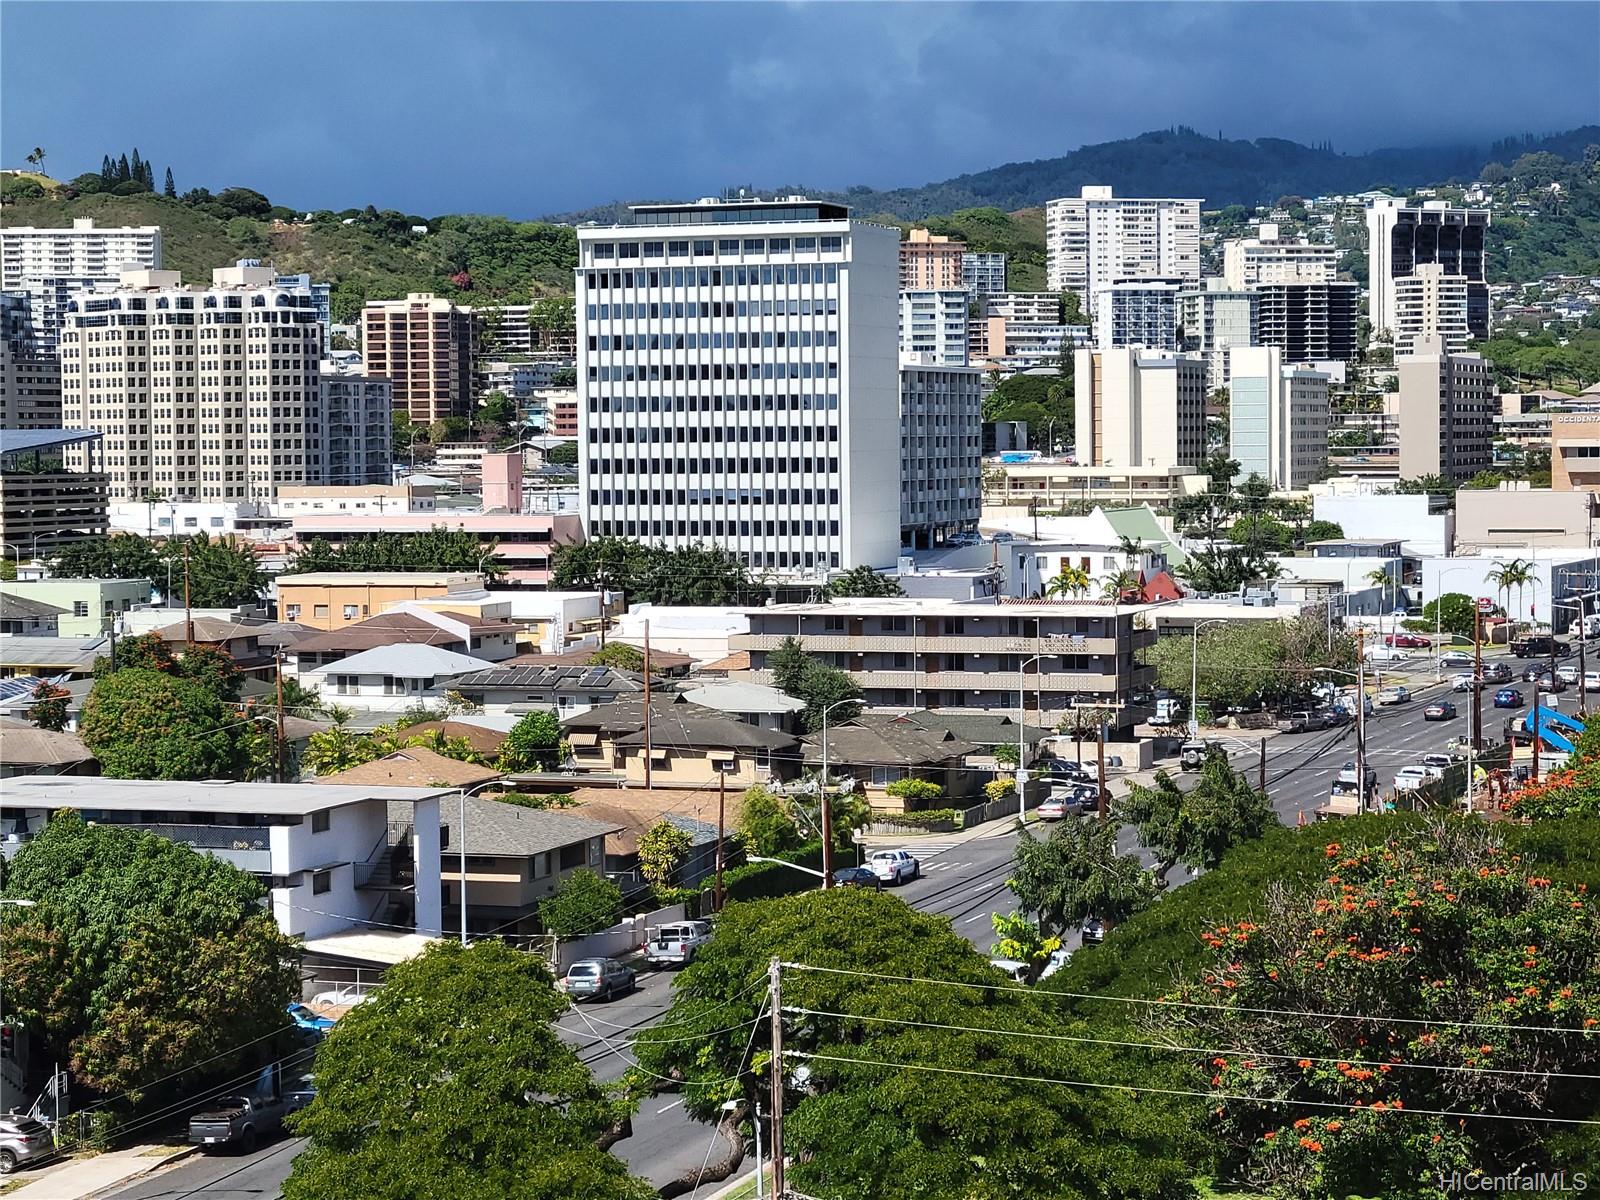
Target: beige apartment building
{"points": [[931, 262], [333, 599], [1447, 407], [1575, 451], [1139, 408], [202, 393], [1429, 303], [423, 345]]}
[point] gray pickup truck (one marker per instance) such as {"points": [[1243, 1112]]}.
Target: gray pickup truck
{"points": [[244, 1121]]}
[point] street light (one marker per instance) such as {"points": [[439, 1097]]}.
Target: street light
{"points": [[783, 862], [461, 794], [1438, 617], [1194, 675], [1022, 732], [827, 800]]}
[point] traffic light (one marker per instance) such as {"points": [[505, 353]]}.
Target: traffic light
{"points": [[8, 1042]]}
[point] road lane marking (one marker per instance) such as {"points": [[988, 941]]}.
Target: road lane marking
{"points": [[669, 1107]]}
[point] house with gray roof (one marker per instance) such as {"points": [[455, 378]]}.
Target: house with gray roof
{"points": [[395, 678], [564, 690], [876, 750], [685, 745], [25, 617]]}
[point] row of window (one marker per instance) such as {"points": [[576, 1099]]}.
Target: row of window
{"points": [[702, 247], [715, 496], [743, 340], [678, 277], [793, 306], [632, 373], [679, 435], [789, 401], [776, 559], [713, 466]]}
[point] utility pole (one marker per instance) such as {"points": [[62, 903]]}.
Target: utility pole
{"points": [[722, 799], [278, 658], [1261, 770], [648, 748], [775, 985], [188, 611], [1361, 728], [1100, 739]]}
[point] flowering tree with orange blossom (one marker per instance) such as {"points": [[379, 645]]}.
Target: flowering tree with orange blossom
{"points": [[1434, 973]]}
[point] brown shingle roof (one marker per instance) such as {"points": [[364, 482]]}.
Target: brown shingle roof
{"points": [[739, 660], [414, 767], [636, 810], [479, 737], [24, 744], [397, 628]]}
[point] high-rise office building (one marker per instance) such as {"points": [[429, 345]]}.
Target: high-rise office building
{"points": [[350, 442], [202, 393], [1270, 257], [1095, 239], [941, 458], [1447, 407], [1309, 322], [738, 375], [933, 327], [50, 265], [931, 262], [1277, 418], [1139, 408], [424, 346], [1400, 239], [1137, 312], [983, 274], [1430, 304], [1213, 319], [30, 381]]}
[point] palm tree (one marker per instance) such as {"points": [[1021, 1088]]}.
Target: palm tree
{"points": [[1379, 577], [1132, 549], [1121, 584], [1514, 574], [1071, 581], [37, 158]]}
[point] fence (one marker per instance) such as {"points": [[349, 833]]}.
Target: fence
{"points": [[616, 941]]}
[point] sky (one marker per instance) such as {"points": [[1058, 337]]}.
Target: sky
{"points": [[528, 109]]}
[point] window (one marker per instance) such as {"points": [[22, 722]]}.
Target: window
{"points": [[80, 608], [321, 882], [349, 612], [320, 821], [319, 610], [291, 612]]}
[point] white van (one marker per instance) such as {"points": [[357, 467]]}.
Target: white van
{"points": [[1585, 627]]}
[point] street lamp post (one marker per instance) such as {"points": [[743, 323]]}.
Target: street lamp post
{"points": [[461, 849], [1022, 731], [1194, 676], [1438, 618], [827, 800]]}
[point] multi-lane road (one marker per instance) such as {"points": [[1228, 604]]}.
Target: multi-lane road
{"points": [[962, 880]]}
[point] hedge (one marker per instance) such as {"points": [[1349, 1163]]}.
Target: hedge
{"points": [[931, 816], [915, 789]]}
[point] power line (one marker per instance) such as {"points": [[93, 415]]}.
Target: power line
{"points": [[1136, 1090]]}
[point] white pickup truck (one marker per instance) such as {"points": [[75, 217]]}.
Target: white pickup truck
{"points": [[675, 945]]}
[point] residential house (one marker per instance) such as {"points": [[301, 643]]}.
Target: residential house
{"points": [[62, 658], [987, 731], [875, 750], [415, 766], [395, 678], [333, 599], [686, 745], [568, 690], [29, 618], [490, 639], [25, 749], [633, 812], [753, 703], [91, 604]]}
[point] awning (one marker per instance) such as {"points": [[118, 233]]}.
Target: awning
{"points": [[583, 739], [658, 754]]}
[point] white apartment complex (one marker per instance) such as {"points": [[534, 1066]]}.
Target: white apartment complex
{"points": [[1137, 408], [941, 452], [738, 378], [983, 274], [1272, 258], [1429, 304], [1039, 308], [1400, 239], [1095, 239], [202, 393], [1137, 312], [1277, 418], [1007, 346], [1213, 319], [350, 441], [933, 327], [49, 265]]}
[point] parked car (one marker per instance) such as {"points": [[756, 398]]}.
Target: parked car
{"points": [[341, 997], [1094, 931], [1394, 695], [1057, 960], [1439, 710], [1192, 755], [1347, 775], [23, 1142], [1386, 654], [1168, 711], [596, 979], [1508, 698], [306, 1018], [1065, 768], [299, 1092], [1016, 971], [1335, 716], [242, 1121], [1070, 801], [894, 866], [1455, 658], [1463, 683], [1591, 681], [1410, 778], [862, 877], [1440, 762], [1585, 627], [675, 945], [1086, 796], [1301, 721], [1406, 641]]}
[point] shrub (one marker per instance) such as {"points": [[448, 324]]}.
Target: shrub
{"points": [[926, 817], [585, 903], [999, 789], [915, 789]]}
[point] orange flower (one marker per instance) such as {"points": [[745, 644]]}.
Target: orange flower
{"points": [[1302, 1123], [1335, 1126], [1304, 1063]]}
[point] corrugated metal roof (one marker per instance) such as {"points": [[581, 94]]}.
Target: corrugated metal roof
{"points": [[14, 441]]}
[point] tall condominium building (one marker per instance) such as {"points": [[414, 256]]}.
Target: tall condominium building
{"points": [[1135, 408], [424, 346], [941, 456], [1272, 258], [933, 327], [1447, 407], [321, 294], [1007, 345], [1309, 322], [931, 262], [50, 265], [1400, 239], [545, 331], [351, 441], [1212, 320], [1137, 312], [1096, 239], [738, 381], [1277, 418], [30, 381], [1431, 304], [202, 393], [1038, 308], [983, 274]]}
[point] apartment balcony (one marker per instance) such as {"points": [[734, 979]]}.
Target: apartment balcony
{"points": [[906, 643], [1097, 683]]}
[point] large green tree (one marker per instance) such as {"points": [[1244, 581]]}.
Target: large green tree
{"points": [[862, 581], [941, 1089], [1197, 826], [223, 572], [141, 959], [821, 686], [1253, 662], [439, 549], [144, 724], [532, 743], [585, 903], [124, 556], [654, 574], [1077, 873], [452, 1081]]}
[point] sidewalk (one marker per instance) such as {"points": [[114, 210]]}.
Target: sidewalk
{"points": [[78, 1178]]}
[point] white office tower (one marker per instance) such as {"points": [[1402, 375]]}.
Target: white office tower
{"points": [[738, 376], [202, 393], [933, 327], [1214, 318], [1137, 312], [983, 274], [941, 452], [1139, 408], [1095, 239], [1277, 418], [50, 265], [1270, 257], [1430, 305], [1401, 239]]}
